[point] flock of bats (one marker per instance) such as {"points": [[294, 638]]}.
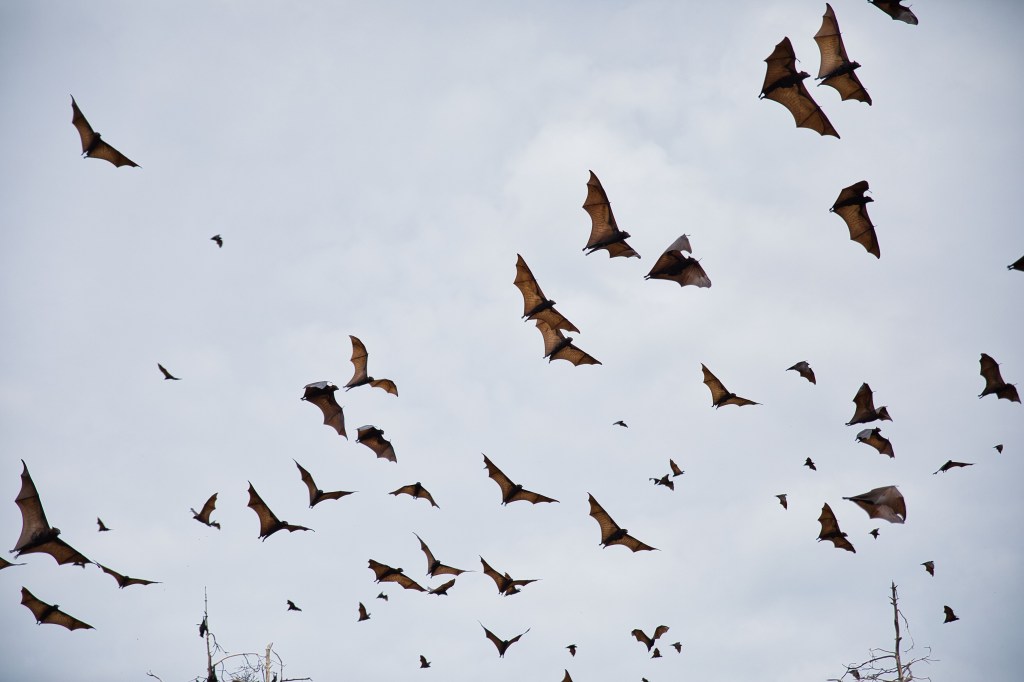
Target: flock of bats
{"points": [[783, 84]]}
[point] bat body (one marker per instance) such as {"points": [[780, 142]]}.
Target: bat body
{"points": [[994, 383], [882, 503], [783, 500], [558, 346], [950, 464], [37, 536], [316, 496], [373, 438], [719, 394], [604, 231], [360, 377], [930, 567], [512, 492], [784, 84], [864, 410], [269, 523], [506, 584], [502, 644], [442, 589], [837, 71], [167, 375], [124, 581], [809, 463], [434, 566], [665, 481], [950, 616], [203, 516], [676, 471], [875, 439], [363, 615], [830, 530], [219, 241], [674, 266], [537, 306], [896, 11], [804, 370], [102, 526], [50, 613], [415, 490], [851, 206], [642, 637], [611, 532], [387, 574], [321, 394], [93, 146]]}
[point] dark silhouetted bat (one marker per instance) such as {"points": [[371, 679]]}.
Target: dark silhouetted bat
{"points": [[363, 615], [874, 533], [203, 628], [102, 526], [1017, 264], [434, 566], [316, 496], [424, 663], [864, 410], [537, 306], [621, 423], [217, 238], [676, 471], [895, 10], [810, 464], [882, 503], [204, 515], [321, 394], [656, 653], [719, 394], [950, 616], [442, 589], [837, 71], [558, 346], [373, 438], [784, 84], [572, 650], [851, 206], [930, 567], [167, 375], [783, 500], [506, 584], [502, 644], [830, 530], [998, 448], [642, 637], [292, 606], [611, 533], [382, 596], [124, 581], [604, 231], [512, 492], [269, 523], [950, 464], [994, 381], [359, 378], [93, 145], [387, 574], [4, 563], [416, 490], [875, 439], [37, 536], [804, 370], [678, 646], [665, 481], [673, 266], [46, 613]]}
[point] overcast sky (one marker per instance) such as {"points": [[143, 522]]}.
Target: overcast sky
{"points": [[374, 168]]}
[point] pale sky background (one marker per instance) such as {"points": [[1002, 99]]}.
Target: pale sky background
{"points": [[374, 168]]}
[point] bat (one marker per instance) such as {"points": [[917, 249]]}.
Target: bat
{"points": [[502, 644], [665, 481], [382, 596], [783, 500], [994, 381], [657, 653], [363, 615], [678, 646], [537, 306], [810, 464], [930, 567], [950, 464], [851, 206], [217, 238], [321, 394], [837, 71], [566, 678], [882, 503], [102, 526], [611, 533], [895, 10], [874, 533], [572, 650], [673, 266], [875, 439], [203, 628], [434, 566], [784, 84], [998, 448], [719, 394], [204, 515], [93, 145], [604, 231], [387, 574], [47, 613], [424, 663], [4, 563], [167, 375], [37, 536], [506, 584], [830, 530], [416, 490], [1017, 264], [360, 378], [558, 346], [676, 471], [950, 616], [442, 589], [316, 496], [642, 637], [512, 492], [804, 370], [269, 523], [373, 438], [621, 423], [292, 606], [864, 408], [124, 581]]}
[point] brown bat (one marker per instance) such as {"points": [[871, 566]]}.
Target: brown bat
{"points": [[506, 584], [269, 523], [204, 515], [363, 615], [665, 481], [512, 492], [124, 581], [416, 490], [434, 566], [219, 240], [102, 526], [657, 653], [537, 306], [360, 378], [47, 613], [604, 231], [673, 266], [373, 438], [292, 606], [837, 71], [567, 678], [611, 533], [167, 375], [572, 650], [316, 496], [1017, 264], [809, 463], [719, 394], [502, 644], [642, 637], [442, 589], [950, 616], [676, 471], [321, 394], [830, 530], [804, 370], [851, 206], [93, 145], [4, 563], [424, 663], [678, 646], [930, 567], [558, 346], [994, 381], [783, 500], [950, 464], [387, 574], [895, 10], [875, 439], [864, 410], [36, 533], [784, 84], [882, 503]]}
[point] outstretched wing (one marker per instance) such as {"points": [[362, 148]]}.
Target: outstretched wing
{"points": [[851, 206], [386, 385], [34, 525], [607, 525], [204, 515], [321, 394], [837, 71], [359, 356], [124, 581], [896, 11], [499, 477], [882, 503], [48, 613], [604, 231], [93, 145], [307, 478], [864, 410], [830, 530], [536, 306]]}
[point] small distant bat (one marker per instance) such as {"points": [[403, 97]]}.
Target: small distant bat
{"points": [[269, 523], [1017, 264], [512, 492], [558, 346], [783, 500], [837, 71], [809, 463], [93, 145], [930, 567], [217, 238], [567, 678], [998, 448], [874, 533], [865, 411], [37, 536], [882, 503], [851, 206], [167, 375], [678, 646], [611, 533], [415, 490], [506, 584], [373, 438], [804, 370], [674, 266], [204, 515], [784, 84], [434, 566], [572, 650], [642, 637], [292, 606], [830, 530], [604, 231], [537, 306], [203, 627], [360, 378], [442, 589], [950, 616], [950, 464], [387, 574], [895, 10], [994, 381], [4, 563], [382, 596], [719, 394], [316, 496], [102, 526], [665, 481], [621, 423], [502, 644], [424, 663], [321, 394], [124, 581], [676, 471], [363, 615], [656, 653], [875, 439], [47, 613]]}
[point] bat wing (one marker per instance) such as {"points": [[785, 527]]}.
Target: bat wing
{"points": [[882, 503], [604, 231], [875, 439], [124, 580], [558, 347], [104, 151], [659, 631], [536, 306], [864, 410], [837, 71], [642, 637], [830, 530], [85, 130], [405, 581], [49, 613], [633, 544], [895, 10], [784, 84], [607, 525], [386, 385], [498, 476], [804, 370], [994, 382], [430, 555], [359, 356], [736, 400], [718, 390], [204, 515], [489, 571], [851, 206], [676, 471], [373, 438], [307, 478], [950, 616], [530, 496], [442, 589], [363, 615], [34, 526], [500, 644], [269, 522], [61, 551], [321, 394], [676, 267]]}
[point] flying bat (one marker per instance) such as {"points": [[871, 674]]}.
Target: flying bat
{"points": [[676, 471], [572, 650], [621, 423], [864, 410], [882, 503], [851, 206], [719, 394], [424, 663], [321, 394], [360, 378], [784, 84], [950, 464], [502, 644], [36, 533], [874, 533], [837, 71], [611, 533], [47, 613], [950, 616], [783, 500], [678, 646], [830, 530], [93, 145], [416, 490], [809, 463], [895, 10], [506, 584], [269, 523], [537, 306], [804, 370], [604, 231], [442, 589], [642, 637], [998, 448], [102, 526], [567, 678], [673, 266], [434, 566], [1017, 264], [994, 381], [124, 581], [373, 438], [665, 481], [204, 515], [558, 346], [512, 492], [387, 574], [316, 496], [930, 567], [656, 653], [292, 606], [382, 596], [167, 375], [363, 615], [220, 241], [875, 439]]}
